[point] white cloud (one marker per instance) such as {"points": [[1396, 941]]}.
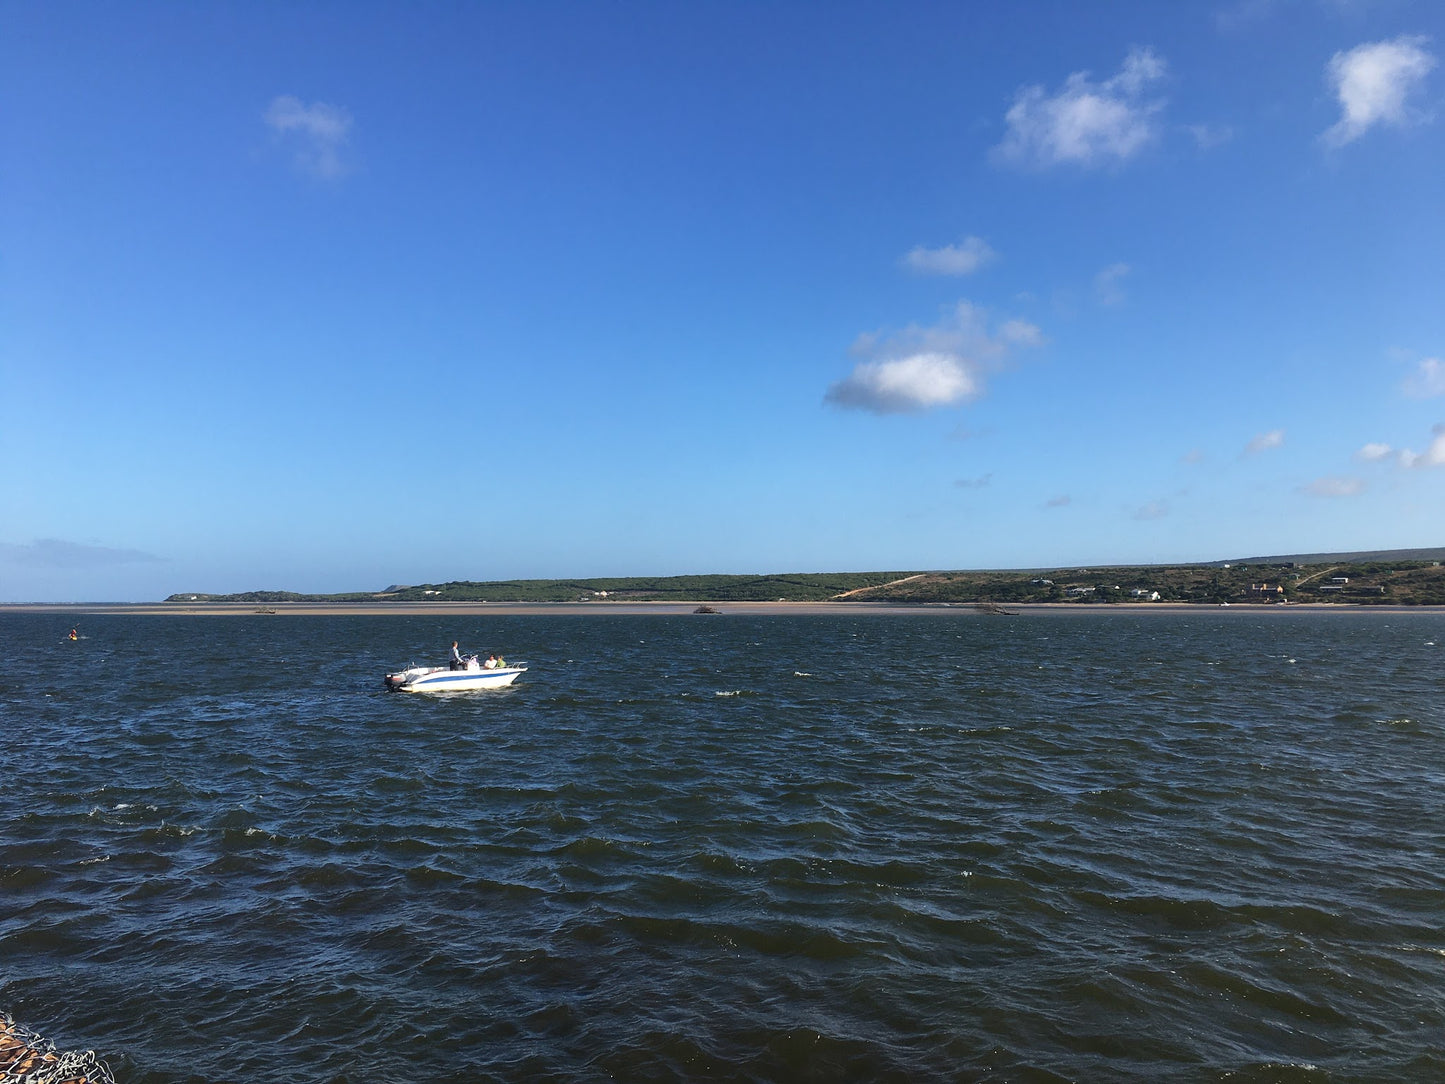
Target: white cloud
{"points": [[1428, 381], [1062, 501], [903, 385], [961, 259], [1373, 82], [317, 134], [1273, 439], [56, 553], [1106, 284], [981, 482], [1373, 453], [1432, 456], [1194, 455], [1085, 123], [1335, 487], [924, 367]]}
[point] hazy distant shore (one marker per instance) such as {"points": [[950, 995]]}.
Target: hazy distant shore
{"points": [[612, 609]]}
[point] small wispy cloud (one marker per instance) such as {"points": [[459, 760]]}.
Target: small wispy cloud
{"points": [[1107, 284], [1374, 453], [981, 482], [1086, 123], [1427, 381], [1208, 136], [1194, 455], [1374, 83], [1152, 510], [1334, 487], [57, 553], [921, 368], [317, 134], [964, 258], [1265, 441], [1061, 501], [1020, 333], [1432, 456], [1241, 13]]}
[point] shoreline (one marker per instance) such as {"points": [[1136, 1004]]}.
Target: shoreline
{"points": [[617, 609]]}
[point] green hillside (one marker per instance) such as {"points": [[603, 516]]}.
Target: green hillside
{"points": [[1388, 578], [1373, 582], [798, 587]]}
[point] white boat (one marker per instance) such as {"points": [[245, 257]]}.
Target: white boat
{"points": [[443, 679]]}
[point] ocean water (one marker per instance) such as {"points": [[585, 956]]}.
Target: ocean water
{"points": [[1207, 846]]}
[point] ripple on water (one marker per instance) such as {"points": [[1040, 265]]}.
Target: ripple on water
{"points": [[875, 848]]}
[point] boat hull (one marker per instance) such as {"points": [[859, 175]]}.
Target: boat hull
{"points": [[439, 679]]}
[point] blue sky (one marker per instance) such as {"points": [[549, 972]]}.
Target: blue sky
{"points": [[326, 297]]}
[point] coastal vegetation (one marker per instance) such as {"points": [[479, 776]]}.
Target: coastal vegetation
{"points": [[1408, 577], [1393, 583], [800, 587]]}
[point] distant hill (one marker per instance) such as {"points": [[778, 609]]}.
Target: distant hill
{"points": [[790, 587], [1401, 577], [1272, 580], [1437, 554]]}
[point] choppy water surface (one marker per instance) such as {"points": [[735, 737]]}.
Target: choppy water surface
{"points": [[1201, 847]]}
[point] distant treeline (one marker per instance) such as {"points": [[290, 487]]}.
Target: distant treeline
{"points": [[1376, 581]]}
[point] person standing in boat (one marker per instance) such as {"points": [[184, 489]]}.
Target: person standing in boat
{"points": [[457, 662]]}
